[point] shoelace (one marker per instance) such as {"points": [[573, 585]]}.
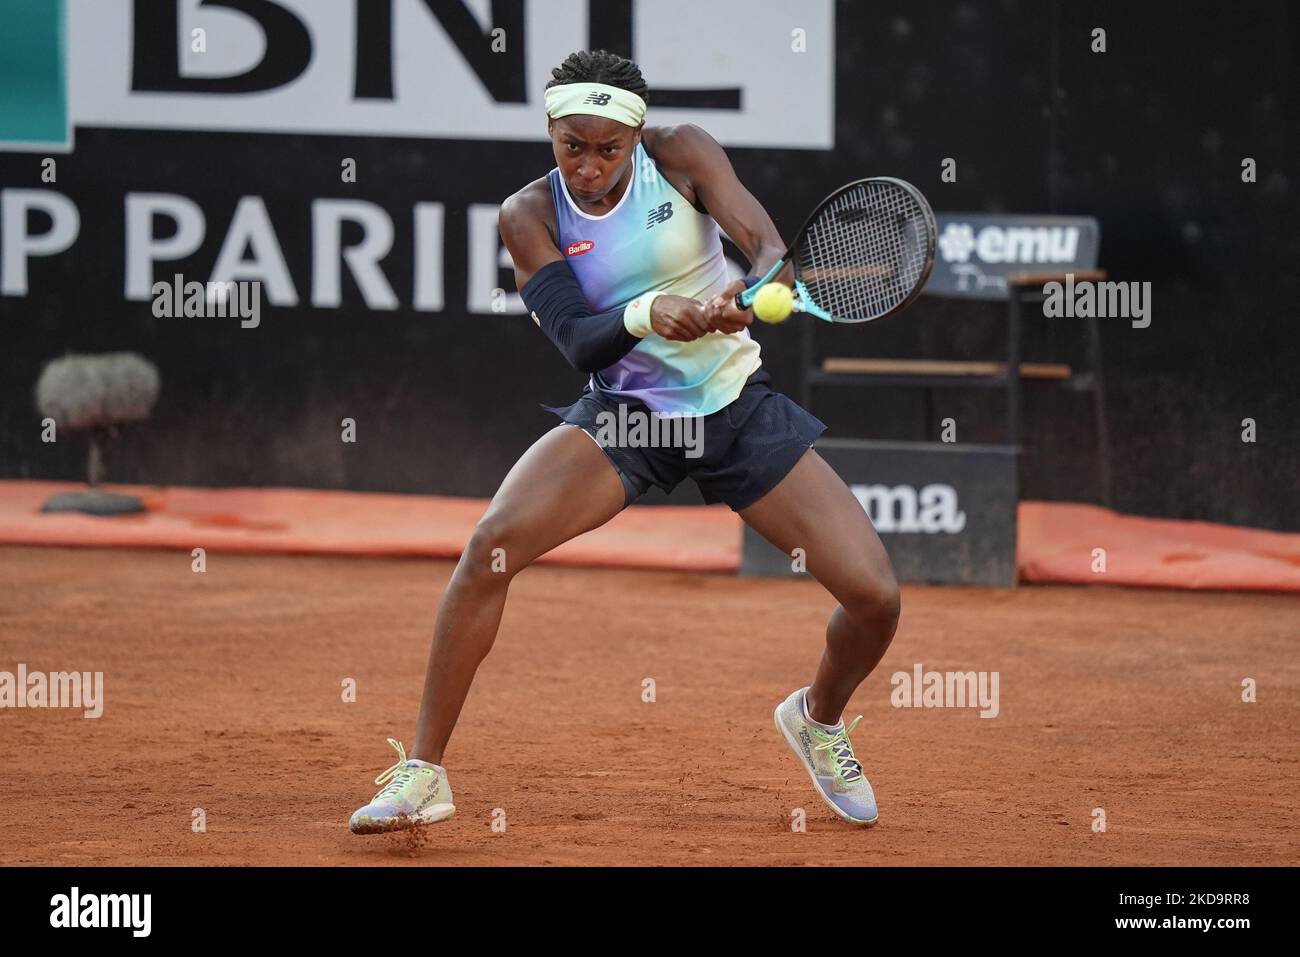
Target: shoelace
{"points": [[847, 767], [399, 773]]}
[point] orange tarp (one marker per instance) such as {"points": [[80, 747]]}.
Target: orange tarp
{"points": [[1057, 542], [355, 523]]}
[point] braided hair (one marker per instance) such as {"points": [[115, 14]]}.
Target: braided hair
{"points": [[601, 66]]}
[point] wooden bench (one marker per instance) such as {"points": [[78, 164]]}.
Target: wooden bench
{"points": [[933, 367], [936, 373]]}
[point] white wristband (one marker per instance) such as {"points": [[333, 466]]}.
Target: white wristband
{"points": [[636, 317]]}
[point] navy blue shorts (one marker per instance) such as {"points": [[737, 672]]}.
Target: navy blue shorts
{"points": [[736, 455]]}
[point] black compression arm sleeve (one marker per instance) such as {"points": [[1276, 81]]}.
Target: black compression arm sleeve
{"points": [[590, 341]]}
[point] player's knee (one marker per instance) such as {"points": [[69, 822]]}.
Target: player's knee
{"points": [[491, 554], [874, 599]]}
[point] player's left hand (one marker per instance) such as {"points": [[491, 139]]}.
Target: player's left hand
{"points": [[721, 312]]}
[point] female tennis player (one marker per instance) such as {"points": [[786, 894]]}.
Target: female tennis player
{"points": [[618, 259]]}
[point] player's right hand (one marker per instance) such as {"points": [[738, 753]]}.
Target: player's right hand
{"points": [[679, 318], [721, 310]]}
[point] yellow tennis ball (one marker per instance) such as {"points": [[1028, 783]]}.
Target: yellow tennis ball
{"points": [[774, 302]]}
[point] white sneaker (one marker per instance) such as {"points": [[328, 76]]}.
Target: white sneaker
{"points": [[828, 758], [417, 793]]}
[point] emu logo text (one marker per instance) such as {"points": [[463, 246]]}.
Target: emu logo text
{"points": [[1010, 244]]}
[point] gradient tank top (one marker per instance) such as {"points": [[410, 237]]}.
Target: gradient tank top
{"points": [[654, 239]]}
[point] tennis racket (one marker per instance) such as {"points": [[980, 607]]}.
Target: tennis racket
{"points": [[863, 254]]}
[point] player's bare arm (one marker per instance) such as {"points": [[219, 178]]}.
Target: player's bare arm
{"points": [[692, 152]]}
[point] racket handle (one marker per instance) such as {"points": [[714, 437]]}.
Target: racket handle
{"points": [[750, 282]]}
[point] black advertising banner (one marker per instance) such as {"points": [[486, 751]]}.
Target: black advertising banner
{"points": [[945, 513], [976, 253], [348, 159]]}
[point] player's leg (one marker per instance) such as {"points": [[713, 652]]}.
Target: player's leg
{"points": [[563, 485], [812, 509]]}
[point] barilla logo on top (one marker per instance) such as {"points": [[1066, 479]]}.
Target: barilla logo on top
{"points": [[579, 247]]}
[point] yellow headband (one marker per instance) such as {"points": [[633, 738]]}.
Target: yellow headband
{"points": [[596, 99]]}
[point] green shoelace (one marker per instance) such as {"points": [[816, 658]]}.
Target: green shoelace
{"points": [[399, 773], [847, 768]]}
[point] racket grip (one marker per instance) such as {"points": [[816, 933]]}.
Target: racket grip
{"points": [[750, 282]]}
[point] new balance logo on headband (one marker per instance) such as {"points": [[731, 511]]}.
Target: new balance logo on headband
{"points": [[599, 99], [659, 214]]}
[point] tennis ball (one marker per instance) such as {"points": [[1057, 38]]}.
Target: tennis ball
{"points": [[773, 302]]}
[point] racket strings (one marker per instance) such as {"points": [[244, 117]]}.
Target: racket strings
{"points": [[865, 252]]}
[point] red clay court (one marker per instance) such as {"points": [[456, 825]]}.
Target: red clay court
{"points": [[223, 692]]}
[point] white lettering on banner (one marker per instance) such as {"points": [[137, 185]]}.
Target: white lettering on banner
{"points": [[487, 257], [428, 257], [1010, 244], [327, 219], [143, 249], [901, 509], [319, 66], [251, 250], [17, 244], [251, 229]]}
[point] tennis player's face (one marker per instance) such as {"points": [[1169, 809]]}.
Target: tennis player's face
{"points": [[594, 154]]}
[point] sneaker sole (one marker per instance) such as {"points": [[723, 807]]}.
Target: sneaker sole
{"points": [[812, 775], [432, 815]]}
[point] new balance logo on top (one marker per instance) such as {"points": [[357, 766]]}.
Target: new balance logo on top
{"points": [[600, 99], [659, 214]]}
